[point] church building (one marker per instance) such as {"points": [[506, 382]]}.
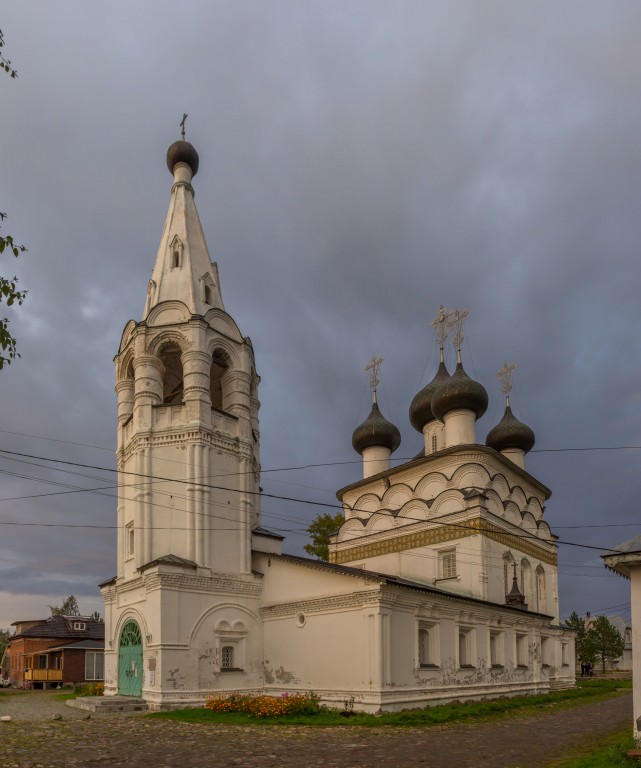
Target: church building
{"points": [[441, 583]]}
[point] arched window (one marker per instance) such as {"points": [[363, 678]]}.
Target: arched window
{"points": [[508, 561], [541, 601], [207, 290], [217, 371], [172, 379]]}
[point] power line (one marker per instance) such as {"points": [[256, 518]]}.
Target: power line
{"points": [[524, 534]]}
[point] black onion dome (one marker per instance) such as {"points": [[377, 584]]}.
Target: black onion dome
{"points": [[182, 152], [459, 392], [510, 433], [377, 431], [421, 406]]}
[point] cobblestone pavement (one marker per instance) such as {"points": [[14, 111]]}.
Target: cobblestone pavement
{"points": [[529, 741]]}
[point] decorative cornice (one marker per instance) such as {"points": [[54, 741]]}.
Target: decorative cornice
{"points": [[204, 585], [440, 534], [321, 604]]}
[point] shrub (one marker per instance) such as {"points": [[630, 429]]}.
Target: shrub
{"points": [[90, 689], [265, 706]]}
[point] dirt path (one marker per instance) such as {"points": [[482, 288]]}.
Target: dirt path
{"points": [[530, 741]]}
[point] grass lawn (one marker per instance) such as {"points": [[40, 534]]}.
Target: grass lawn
{"points": [[446, 713], [611, 752]]}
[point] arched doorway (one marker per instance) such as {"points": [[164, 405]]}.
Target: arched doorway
{"points": [[130, 660]]}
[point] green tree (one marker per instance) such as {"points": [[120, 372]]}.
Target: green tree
{"points": [[605, 641], [320, 529], [69, 607], [95, 616], [5, 636], [9, 292], [584, 651]]}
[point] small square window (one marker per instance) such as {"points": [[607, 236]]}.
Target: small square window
{"points": [[447, 564], [79, 626]]}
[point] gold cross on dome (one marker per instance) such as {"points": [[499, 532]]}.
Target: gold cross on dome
{"points": [[373, 372], [456, 318], [440, 325], [505, 377]]}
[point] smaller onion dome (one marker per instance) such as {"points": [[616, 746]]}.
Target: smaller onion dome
{"points": [[182, 151], [376, 431], [421, 406], [510, 433], [460, 392]]}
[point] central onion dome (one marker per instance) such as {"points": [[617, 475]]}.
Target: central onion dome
{"points": [[421, 406], [510, 433], [182, 151], [459, 393], [376, 431]]}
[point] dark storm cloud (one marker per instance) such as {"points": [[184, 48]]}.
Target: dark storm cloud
{"points": [[361, 164]]}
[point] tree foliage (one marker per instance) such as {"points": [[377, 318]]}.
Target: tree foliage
{"points": [[320, 529], [4, 62], [69, 607], [605, 641], [583, 651], [5, 636], [600, 640], [9, 293]]}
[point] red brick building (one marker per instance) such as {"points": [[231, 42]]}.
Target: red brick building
{"points": [[55, 651]]}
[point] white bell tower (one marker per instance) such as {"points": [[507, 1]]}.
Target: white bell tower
{"points": [[188, 456]]}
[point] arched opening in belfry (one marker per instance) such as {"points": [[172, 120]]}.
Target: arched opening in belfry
{"points": [[218, 370], [172, 377]]}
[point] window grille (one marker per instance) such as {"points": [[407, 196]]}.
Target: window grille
{"points": [[227, 657]]}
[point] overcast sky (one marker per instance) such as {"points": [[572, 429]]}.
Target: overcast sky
{"points": [[361, 164]]}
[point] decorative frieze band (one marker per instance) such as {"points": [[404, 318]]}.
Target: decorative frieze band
{"points": [[440, 535]]}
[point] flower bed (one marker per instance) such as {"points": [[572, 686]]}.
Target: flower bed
{"points": [[265, 706]]}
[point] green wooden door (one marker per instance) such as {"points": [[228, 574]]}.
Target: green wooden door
{"points": [[130, 660]]}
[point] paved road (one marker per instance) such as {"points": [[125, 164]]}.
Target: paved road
{"points": [[531, 741]]}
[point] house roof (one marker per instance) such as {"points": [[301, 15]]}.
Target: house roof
{"points": [[169, 560], [79, 645], [384, 578], [62, 627]]}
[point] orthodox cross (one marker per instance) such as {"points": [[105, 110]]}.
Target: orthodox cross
{"points": [[505, 377], [182, 125], [440, 326], [455, 320], [373, 373]]}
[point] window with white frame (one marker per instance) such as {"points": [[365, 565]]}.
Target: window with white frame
{"points": [[129, 540], [231, 645], [447, 564], [428, 644], [496, 648], [564, 654], [465, 647], [521, 650], [546, 651], [94, 665]]}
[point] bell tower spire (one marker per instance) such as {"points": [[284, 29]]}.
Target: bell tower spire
{"points": [[183, 270]]}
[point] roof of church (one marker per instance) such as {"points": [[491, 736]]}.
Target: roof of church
{"points": [[421, 457], [386, 578], [169, 560], [269, 534]]}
